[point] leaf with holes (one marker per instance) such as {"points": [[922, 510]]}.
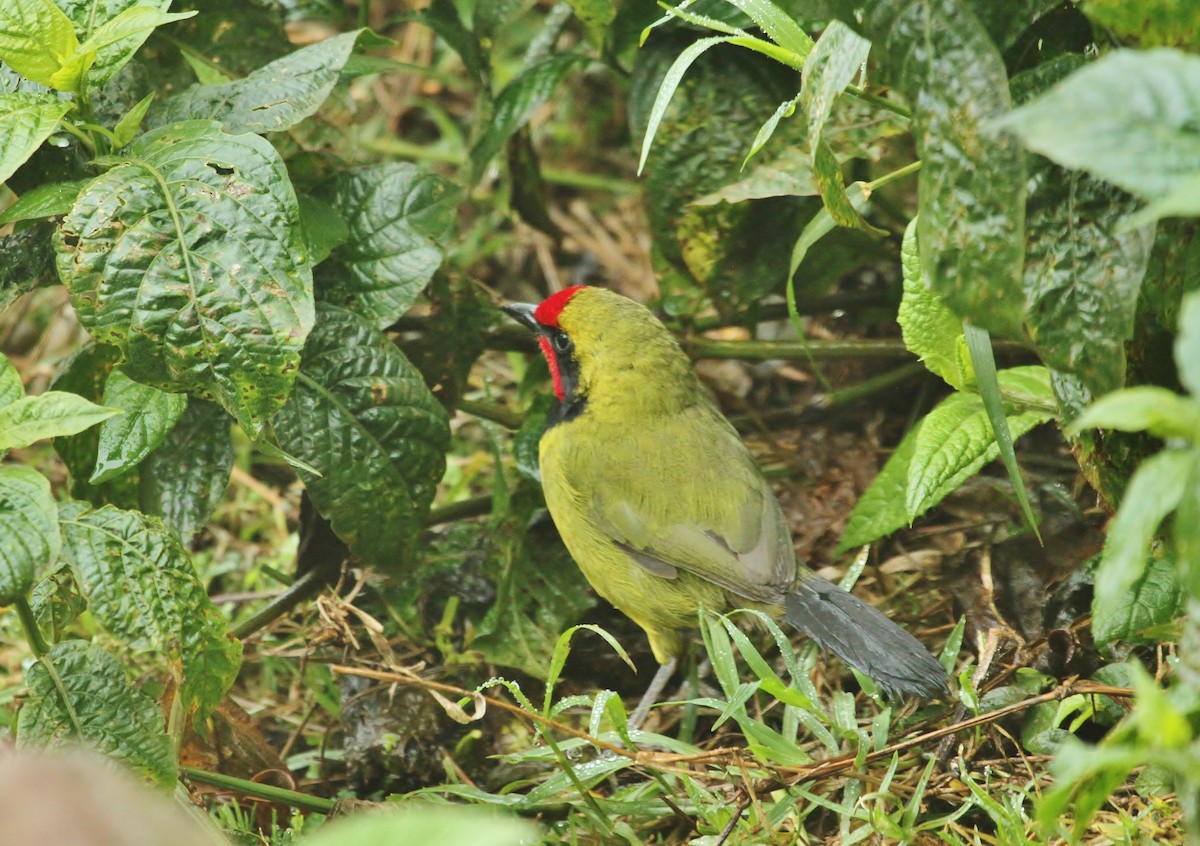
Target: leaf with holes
{"points": [[363, 417], [29, 536], [140, 585], [149, 416], [78, 694], [395, 213], [190, 257], [183, 479], [275, 97]]}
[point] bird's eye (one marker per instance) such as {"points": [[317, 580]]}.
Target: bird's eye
{"points": [[561, 342]]}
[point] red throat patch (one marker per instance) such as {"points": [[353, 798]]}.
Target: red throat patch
{"points": [[552, 363], [547, 313]]}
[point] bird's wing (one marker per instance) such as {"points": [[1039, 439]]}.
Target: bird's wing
{"points": [[689, 497]]}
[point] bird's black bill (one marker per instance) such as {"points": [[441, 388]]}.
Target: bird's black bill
{"points": [[523, 314]]}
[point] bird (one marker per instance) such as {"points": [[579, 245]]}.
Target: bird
{"points": [[664, 509]]}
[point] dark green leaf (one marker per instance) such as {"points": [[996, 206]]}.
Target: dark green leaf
{"points": [[1153, 492], [1129, 118], [149, 416], [1006, 22], [26, 261], [49, 200], [35, 38], [275, 97], [324, 228], [29, 536], [56, 602], [395, 214], [140, 586], [363, 417], [206, 287], [1154, 598], [183, 480], [442, 17], [1083, 274], [78, 694], [26, 120], [516, 103], [971, 199]]}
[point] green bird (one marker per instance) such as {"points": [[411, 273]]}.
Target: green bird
{"points": [[663, 507]]}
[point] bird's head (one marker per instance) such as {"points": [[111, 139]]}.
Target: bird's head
{"points": [[603, 347]]}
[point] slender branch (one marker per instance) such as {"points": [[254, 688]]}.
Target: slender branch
{"points": [[33, 633], [506, 417], [305, 587], [476, 506], [259, 790]]}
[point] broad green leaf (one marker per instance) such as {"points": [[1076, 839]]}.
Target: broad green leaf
{"points": [[1083, 274], [1149, 408], [26, 261], [185, 477], [428, 825], [1187, 343], [49, 415], [1155, 489], [362, 415], [26, 120], [881, 508], [517, 102], [1151, 600], [111, 45], [149, 416], [324, 228], [396, 213], [971, 196], [48, 200], [29, 536], [1151, 23], [78, 694], [89, 15], [954, 442], [1128, 118], [141, 587], [11, 386], [275, 97], [931, 331], [35, 38], [189, 256], [789, 174]]}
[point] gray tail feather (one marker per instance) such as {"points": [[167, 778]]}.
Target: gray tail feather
{"points": [[864, 638]]}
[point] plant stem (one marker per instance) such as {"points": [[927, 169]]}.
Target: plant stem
{"points": [[260, 791], [476, 506], [33, 634], [876, 100], [899, 173], [506, 417], [305, 587], [795, 350]]}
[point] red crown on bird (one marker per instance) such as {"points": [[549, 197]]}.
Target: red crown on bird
{"points": [[550, 308]]}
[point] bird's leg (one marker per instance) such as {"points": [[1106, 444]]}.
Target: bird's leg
{"points": [[665, 671]]}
